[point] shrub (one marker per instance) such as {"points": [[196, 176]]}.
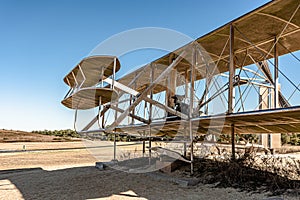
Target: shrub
{"points": [[60, 133]]}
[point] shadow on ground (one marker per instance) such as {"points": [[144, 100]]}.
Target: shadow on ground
{"points": [[90, 183], [76, 183]]}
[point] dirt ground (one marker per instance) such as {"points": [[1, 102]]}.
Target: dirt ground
{"points": [[23, 136], [66, 170]]}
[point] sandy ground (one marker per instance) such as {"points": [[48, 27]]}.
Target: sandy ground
{"points": [[65, 170]]}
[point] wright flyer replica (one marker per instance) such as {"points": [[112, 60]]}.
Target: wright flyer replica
{"points": [[216, 88]]}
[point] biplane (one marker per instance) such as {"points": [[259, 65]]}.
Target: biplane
{"points": [[176, 95]]}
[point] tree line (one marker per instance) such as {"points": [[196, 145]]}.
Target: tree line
{"points": [[60, 133]]}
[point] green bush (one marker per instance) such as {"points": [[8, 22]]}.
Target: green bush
{"points": [[60, 133], [292, 139]]}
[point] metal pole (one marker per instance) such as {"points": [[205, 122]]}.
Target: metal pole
{"points": [[144, 148], [184, 149], [150, 110], [231, 71], [186, 95], [151, 94], [114, 73], [99, 112], [130, 102], [230, 92], [115, 143], [133, 110], [272, 138], [232, 142], [276, 97], [184, 141], [102, 76], [149, 144], [115, 146], [192, 80]]}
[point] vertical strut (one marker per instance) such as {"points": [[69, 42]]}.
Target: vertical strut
{"points": [[276, 98], [186, 95], [231, 71], [114, 73], [230, 92], [192, 81], [115, 146], [232, 142], [150, 110], [115, 142]]}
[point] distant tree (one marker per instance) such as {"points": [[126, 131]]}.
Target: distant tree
{"points": [[60, 133]]}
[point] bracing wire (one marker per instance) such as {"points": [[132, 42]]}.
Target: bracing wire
{"points": [[291, 82]]}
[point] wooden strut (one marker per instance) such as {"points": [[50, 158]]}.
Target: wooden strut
{"points": [[230, 91], [131, 115], [150, 111], [168, 109], [186, 80], [276, 84], [106, 108], [115, 142], [99, 112], [150, 100], [97, 117], [146, 91], [233, 142], [192, 88]]}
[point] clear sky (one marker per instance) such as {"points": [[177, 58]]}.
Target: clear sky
{"points": [[41, 41]]}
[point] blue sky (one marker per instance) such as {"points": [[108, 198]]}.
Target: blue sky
{"points": [[41, 41]]}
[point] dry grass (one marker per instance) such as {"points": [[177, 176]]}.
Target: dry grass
{"points": [[23, 136]]}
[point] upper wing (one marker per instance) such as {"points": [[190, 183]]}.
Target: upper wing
{"points": [[90, 70], [254, 35]]}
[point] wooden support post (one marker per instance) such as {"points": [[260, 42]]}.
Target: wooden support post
{"points": [[115, 146], [186, 79], [99, 112], [171, 88], [231, 71], [205, 96], [114, 73], [171, 84], [232, 142], [264, 102], [166, 93], [275, 139], [276, 97], [184, 149], [230, 91], [133, 110], [186, 83], [191, 108], [150, 110], [192, 146], [144, 148], [115, 142], [151, 93], [150, 145], [130, 120]]}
